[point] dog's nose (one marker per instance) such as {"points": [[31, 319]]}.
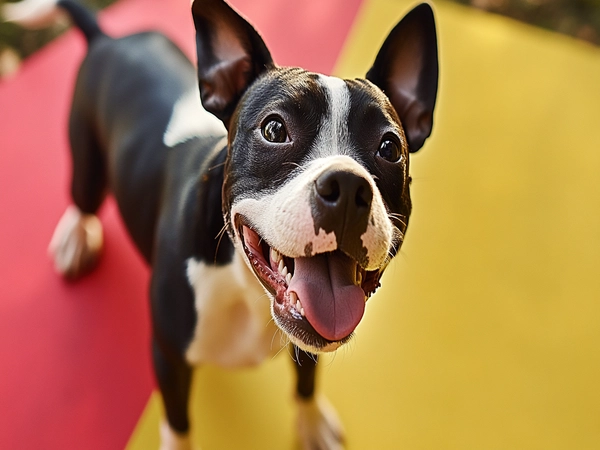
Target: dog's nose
{"points": [[342, 204], [344, 192]]}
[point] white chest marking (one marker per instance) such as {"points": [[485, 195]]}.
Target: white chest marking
{"points": [[234, 327], [189, 120]]}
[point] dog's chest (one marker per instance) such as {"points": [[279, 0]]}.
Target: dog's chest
{"points": [[234, 326]]}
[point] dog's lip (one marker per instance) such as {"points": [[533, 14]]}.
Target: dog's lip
{"points": [[287, 308], [270, 276]]}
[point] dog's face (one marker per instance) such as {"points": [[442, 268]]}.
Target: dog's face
{"points": [[316, 193], [318, 197]]}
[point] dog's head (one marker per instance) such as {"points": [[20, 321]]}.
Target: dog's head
{"points": [[317, 188]]}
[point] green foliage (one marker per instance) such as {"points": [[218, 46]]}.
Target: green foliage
{"points": [[578, 18], [25, 42]]}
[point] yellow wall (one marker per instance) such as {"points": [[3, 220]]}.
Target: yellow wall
{"points": [[486, 332]]}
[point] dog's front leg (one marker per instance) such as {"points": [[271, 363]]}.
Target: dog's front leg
{"points": [[319, 427], [174, 378]]}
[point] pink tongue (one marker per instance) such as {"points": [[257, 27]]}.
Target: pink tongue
{"points": [[332, 303]]}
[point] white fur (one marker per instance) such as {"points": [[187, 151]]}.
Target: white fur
{"points": [[171, 440], [32, 13], [332, 138], [285, 220], [318, 425], [76, 243], [329, 348], [189, 120], [234, 326]]}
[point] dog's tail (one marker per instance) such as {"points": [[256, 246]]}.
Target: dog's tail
{"points": [[43, 13]]}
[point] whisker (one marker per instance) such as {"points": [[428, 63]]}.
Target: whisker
{"points": [[273, 338], [284, 345], [351, 347], [221, 231], [399, 217], [396, 214], [399, 232], [219, 236], [292, 163], [257, 299], [297, 354], [285, 341], [332, 359], [216, 166], [404, 255]]}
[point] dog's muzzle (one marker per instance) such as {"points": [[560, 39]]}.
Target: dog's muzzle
{"points": [[319, 297], [318, 244], [341, 203]]}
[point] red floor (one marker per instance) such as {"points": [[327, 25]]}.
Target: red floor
{"points": [[75, 363]]}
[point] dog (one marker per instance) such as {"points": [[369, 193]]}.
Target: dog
{"points": [[238, 178]]}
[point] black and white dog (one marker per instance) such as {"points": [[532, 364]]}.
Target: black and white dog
{"points": [[279, 180]]}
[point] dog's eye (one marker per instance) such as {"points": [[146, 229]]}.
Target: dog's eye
{"points": [[274, 131], [389, 150]]}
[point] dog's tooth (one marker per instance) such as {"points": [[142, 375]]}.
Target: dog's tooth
{"points": [[281, 265], [288, 278], [293, 297], [358, 274], [275, 255], [298, 305], [284, 271], [302, 312]]}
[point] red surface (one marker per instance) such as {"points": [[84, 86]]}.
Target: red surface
{"points": [[75, 369]]}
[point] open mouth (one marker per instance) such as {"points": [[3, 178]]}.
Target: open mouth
{"points": [[318, 300]]}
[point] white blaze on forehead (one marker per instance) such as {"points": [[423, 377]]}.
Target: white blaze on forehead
{"points": [[333, 137], [189, 120]]}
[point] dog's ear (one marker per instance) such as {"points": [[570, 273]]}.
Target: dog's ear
{"points": [[231, 55], [406, 69]]}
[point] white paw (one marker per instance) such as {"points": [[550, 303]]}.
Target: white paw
{"points": [[76, 243], [318, 425], [171, 440]]}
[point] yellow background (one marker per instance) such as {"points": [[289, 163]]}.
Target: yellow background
{"points": [[486, 332]]}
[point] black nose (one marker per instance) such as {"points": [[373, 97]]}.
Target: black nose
{"points": [[342, 203], [344, 192]]}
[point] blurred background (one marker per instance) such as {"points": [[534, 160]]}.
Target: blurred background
{"points": [[17, 43], [578, 18]]}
